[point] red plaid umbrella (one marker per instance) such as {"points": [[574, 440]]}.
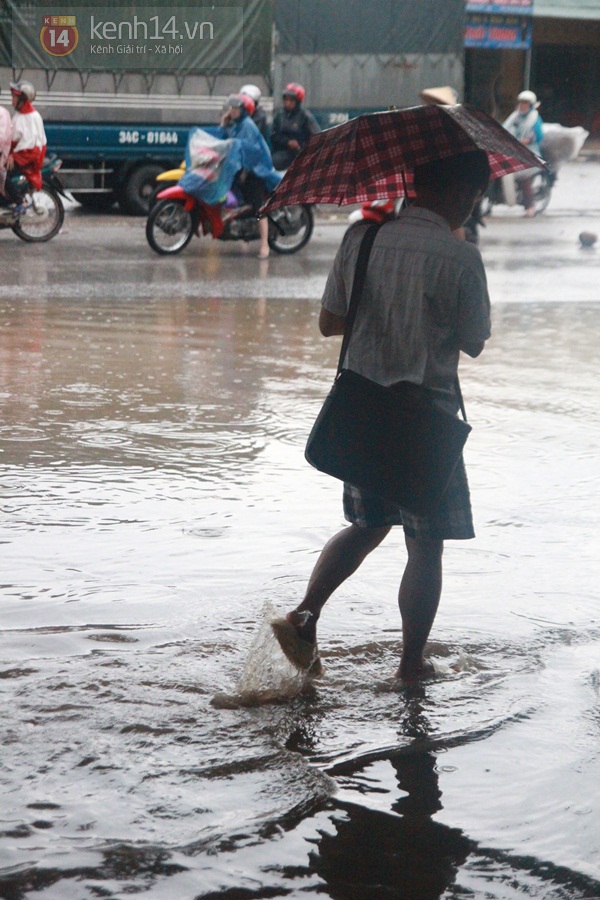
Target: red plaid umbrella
{"points": [[372, 157]]}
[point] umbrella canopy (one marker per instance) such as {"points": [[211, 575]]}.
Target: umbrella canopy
{"points": [[372, 157]]}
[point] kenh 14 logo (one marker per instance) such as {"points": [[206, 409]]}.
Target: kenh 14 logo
{"points": [[59, 35]]}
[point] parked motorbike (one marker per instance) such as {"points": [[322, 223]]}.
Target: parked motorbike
{"points": [[168, 178], [42, 213], [507, 191], [177, 216]]}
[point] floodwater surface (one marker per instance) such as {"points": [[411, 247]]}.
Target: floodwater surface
{"points": [[157, 510]]}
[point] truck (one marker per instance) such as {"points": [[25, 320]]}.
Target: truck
{"points": [[119, 86]]}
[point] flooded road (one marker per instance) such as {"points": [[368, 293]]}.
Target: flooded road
{"points": [[156, 508]]}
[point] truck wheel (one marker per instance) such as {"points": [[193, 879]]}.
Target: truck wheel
{"points": [[138, 189]]}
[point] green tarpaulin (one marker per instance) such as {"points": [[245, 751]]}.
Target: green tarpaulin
{"points": [[158, 35]]}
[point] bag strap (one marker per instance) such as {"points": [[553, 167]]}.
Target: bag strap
{"points": [[360, 273], [357, 287], [459, 396]]}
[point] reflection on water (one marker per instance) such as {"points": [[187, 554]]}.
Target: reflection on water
{"points": [[394, 847], [155, 498]]}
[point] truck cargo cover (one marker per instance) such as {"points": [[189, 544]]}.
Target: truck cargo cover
{"points": [[369, 26], [228, 36]]}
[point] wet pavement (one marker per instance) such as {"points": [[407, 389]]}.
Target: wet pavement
{"points": [[525, 258], [156, 509]]}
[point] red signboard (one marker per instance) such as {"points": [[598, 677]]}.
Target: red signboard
{"points": [[498, 32]]}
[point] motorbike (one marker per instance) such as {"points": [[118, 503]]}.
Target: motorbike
{"points": [[560, 145], [507, 191], [378, 211], [176, 217], [381, 211], [41, 213]]}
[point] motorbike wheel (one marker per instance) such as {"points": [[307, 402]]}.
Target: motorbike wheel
{"points": [[43, 217], [492, 196], [541, 183], [290, 228], [542, 188], [169, 227]]}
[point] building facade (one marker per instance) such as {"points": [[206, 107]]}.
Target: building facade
{"points": [[562, 66]]}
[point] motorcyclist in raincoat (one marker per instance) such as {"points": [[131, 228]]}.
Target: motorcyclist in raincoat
{"points": [[28, 146], [241, 160]]}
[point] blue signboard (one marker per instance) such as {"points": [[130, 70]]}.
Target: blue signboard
{"points": [[501, 7], [497, 32]]}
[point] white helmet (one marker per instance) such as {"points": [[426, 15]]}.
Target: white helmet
{"points": [[251, 90], [24, 88], [528, 97]]}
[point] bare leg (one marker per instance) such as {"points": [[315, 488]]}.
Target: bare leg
{"points": [[528, 196], [418, 599], [339, 559], [263, 228]]}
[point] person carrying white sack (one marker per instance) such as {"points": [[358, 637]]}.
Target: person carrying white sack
{"points": [[525, 123]]}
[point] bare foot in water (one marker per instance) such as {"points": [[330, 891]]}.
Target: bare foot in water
{"points": [[305, 624], [415, 671], [297, 637]]}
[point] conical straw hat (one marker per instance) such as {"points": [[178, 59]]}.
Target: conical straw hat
{"points": [[446, 95]]}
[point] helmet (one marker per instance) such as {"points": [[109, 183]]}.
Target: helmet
{"points": [[24, 89], [234, 101], [294, 90], [248, 103], [528, 97], [251, 90]]}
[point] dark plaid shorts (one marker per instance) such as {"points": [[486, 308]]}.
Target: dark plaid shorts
{"points": [[452, 520]]}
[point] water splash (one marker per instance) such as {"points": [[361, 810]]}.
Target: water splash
{"points": [[267, 675]]}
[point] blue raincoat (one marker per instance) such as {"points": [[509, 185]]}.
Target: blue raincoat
{"points": [[256, 153], [213, 159]]}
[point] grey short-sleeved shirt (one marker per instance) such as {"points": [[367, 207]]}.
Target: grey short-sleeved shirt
{"points": [[425, 294]]}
